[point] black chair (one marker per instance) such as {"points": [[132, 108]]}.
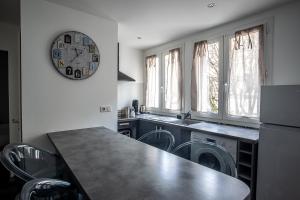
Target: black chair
{"points": [[207, 154], [48, 189], [161, 139], [28, 162]]}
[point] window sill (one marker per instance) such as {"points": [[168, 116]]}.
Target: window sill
{"points": [[164, 113], [248, 123]]}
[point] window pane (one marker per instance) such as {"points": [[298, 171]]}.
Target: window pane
{"points": [[172, 81], [152, 82], [244, 86], [209, 80]]}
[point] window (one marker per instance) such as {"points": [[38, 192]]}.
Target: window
{"points": [[246, 73], [237, 97], [152, 79], [164, 84], [205, 77], [172, 81]]}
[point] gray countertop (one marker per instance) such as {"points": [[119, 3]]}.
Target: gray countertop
{"points": [[207, 127], [112, 166]]}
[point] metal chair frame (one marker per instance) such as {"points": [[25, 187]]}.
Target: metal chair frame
{"points": [[6, 159], [161, 131], [45, 185]]}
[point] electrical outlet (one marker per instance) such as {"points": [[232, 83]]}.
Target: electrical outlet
{"points": [[105, 108], [102, 109]]}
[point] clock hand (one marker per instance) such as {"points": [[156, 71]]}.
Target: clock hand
{"points": [[74, 58], [76, 52]]}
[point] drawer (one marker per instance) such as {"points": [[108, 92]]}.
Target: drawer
{"points": [[126, 124]]}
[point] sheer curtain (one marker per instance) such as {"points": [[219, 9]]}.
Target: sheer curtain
{"points": [[173, 80], [205, 77], [152, 82], [247, 72]]}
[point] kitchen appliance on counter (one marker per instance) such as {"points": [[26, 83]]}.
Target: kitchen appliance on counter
{"points": [[135, 105], [279, 143], [124, 113], [143, 109]]}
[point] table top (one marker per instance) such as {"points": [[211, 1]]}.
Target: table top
{"points": [[108, 165]]}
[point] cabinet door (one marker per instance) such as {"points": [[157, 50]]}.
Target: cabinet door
{"points": [[175, 131], [145, 127], [181, 135]]}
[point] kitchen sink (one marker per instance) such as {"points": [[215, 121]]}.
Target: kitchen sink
{"points": [[185, 122]]}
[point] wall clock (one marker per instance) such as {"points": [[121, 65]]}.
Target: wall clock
{"points": [[75, 55]]}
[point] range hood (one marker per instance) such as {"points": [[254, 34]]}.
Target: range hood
{"points": [[122, 76]]}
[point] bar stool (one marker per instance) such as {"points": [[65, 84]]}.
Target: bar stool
{"points": [[48, 189], [161, 139], [28, 162]]}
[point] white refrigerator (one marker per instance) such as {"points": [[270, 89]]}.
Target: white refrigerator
{"points": [[278, 173]]}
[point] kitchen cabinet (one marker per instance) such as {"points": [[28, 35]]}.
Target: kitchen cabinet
{"points": [[180, 134], [128, 127], [145, 127]]}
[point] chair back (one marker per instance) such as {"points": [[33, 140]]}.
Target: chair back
{"points": [[161, 139], [41, 189], [28, 162], [207, 154]]}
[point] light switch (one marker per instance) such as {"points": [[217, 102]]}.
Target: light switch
{"points": [[105, 108]]}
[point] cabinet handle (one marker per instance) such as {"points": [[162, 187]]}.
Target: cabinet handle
{"points": [[211, 140], [124, 124]]}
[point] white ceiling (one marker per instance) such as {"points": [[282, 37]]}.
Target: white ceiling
{"points": [[160, 21]]}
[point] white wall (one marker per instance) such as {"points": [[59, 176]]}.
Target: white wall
{"points": [[9, 41], [131, 63], [51, 102], [284, 42], [286, 57]]}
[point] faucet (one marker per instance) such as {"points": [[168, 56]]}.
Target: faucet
{"points": [[187, 115]]}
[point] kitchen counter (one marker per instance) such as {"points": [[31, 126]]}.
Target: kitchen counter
{"points": [[207, 127], [107, 165], [128, 119]]}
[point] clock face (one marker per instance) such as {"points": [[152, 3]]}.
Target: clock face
{"points": [[75, 55]]}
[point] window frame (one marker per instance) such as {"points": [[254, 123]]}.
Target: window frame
{"points": [[186, 48], [161, 56], [226, 115], [145, 87], [204, 115], [247, 121], [223, 116]]}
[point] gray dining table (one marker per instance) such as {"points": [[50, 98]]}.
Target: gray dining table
{"points": [[111, 166]]}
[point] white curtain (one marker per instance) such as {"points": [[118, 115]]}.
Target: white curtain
{"points": [[205, 77], [246, 72], [152, 82], [200, 60], [173, 80]]}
